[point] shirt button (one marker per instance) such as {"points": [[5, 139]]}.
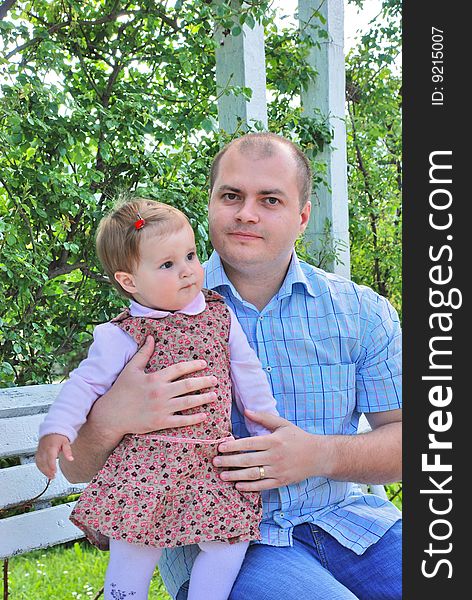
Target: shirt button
{"points": [[260, 318], [269, 369], [282, 515]]}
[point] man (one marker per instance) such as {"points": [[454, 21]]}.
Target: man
{"points": [[331, 350]]}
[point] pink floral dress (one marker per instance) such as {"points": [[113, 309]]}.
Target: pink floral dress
{"points": [[161, 489]]}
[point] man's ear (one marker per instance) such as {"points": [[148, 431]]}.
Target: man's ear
{"points": [[305, 216], [126, 280]]}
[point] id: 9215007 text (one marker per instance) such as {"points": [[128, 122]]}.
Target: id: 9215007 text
{"points": [[437, 66]]}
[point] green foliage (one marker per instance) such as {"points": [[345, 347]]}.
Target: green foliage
{"points": [[373, 85], [328, 252], [395, 494]]}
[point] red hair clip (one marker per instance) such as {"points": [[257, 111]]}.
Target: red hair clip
{"points": [[139, 224]]}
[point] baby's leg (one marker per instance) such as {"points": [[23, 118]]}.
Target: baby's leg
{"points": [[130, 570], [215, 570]]}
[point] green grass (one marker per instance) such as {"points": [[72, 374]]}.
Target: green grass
{"points": [[69, 572]]}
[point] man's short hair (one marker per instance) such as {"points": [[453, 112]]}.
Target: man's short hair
{"points": [[265, 144]]}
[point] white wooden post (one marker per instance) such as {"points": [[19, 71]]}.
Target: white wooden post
{"points": [[240, 61], [327, 95]]}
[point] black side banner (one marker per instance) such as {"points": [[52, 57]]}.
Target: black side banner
{"points": [[436, 267]]}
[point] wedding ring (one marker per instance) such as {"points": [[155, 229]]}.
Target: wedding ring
{"points": [[261, 473]]}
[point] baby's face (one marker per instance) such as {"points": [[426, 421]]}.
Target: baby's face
{"points": [[169, 275]]}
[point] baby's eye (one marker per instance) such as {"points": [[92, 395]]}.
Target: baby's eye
{"points": [[166, 265], [190, 255]]}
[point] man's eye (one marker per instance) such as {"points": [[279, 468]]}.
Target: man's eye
{"points": [[272, 201], [230, 196], [166, 265]]}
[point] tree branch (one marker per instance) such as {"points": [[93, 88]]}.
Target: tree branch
{"points": [[37, 40], [111, 82], [57, 26], [78, 53], [112, 16], [5, 7], [65, 269], [381, 285]]}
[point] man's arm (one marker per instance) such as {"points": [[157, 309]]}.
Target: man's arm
{"points": [[138, 402], [372, 457], [290, 454]]}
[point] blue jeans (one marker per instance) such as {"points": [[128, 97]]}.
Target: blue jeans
{"points": [[319, 567]]}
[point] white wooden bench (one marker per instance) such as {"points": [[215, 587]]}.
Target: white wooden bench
{"points": [[21, 411]]}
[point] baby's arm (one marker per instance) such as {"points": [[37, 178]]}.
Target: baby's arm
{"points": [[251, 388], [108, 354], [49, 448]]}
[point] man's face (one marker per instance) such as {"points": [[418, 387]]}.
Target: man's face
{"points": [[254, 210]]}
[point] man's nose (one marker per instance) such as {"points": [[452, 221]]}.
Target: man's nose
{"points": [[247, 212]]}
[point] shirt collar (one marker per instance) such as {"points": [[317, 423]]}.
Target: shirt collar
{"points": [[215, 277], [195, 307], [295, 275]]}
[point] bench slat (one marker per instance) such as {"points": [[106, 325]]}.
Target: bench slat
{"points": [[19, 435], [363, 425], [27, 400], [24, 482], [35, 530]]}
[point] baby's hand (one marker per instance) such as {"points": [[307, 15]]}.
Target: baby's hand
{"points": [[49, 448]]}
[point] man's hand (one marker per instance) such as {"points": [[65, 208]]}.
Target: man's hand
{"points": [[281, 453], [49, 448], [138, 402], [290, 454]]}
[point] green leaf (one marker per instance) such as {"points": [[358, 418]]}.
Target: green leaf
{"points": [[207, 125], [250, 21], [30, 152], [6, 369]]}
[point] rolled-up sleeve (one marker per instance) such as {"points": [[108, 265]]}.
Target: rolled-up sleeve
{"points": [[379, 365]]}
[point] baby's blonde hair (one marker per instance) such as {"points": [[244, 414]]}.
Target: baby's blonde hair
{"points": [[118, 240]]}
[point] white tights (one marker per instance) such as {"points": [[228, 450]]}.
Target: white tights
{"points": [[131, 567]]}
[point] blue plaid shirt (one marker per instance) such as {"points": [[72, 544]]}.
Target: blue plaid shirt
{"points": [[331, 350]]}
